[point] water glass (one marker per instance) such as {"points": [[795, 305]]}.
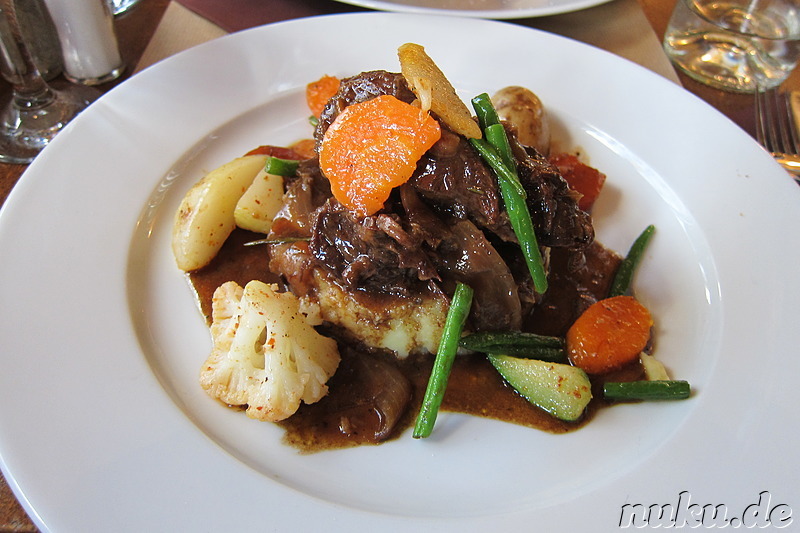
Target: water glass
{"points": [[736, 45]]}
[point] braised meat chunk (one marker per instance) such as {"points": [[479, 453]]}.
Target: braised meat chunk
{"points": [[372, 253], [447, 224], [455, 181], [558, 220]]}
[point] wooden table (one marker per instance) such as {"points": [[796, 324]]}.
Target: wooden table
{"points": [[135, 29]]}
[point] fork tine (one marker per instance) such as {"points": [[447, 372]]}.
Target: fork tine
{"points": [[761, 119], [776, 129], [775, 126], [782, 123], [793, 143], [769, 136]]}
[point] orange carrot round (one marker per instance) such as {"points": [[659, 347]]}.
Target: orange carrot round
{"points": [[609, 334], [304, 148], [319, 92], [372, 147]]}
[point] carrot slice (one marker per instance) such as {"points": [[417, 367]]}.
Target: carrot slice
{"points": [[587, 180], [372, 147], [304, 148], [609, 334], [319, 92]]}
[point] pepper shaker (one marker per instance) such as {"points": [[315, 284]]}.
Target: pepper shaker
{"points": [[40, 36], [88, 42]]}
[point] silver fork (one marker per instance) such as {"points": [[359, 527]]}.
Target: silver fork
{"points": [[776, 129]]}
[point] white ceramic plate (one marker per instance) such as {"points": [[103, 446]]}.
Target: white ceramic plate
{"points": [[491, 9], [103, 426]]}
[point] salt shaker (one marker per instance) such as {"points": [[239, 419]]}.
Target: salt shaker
{"points": [[88, 42]]}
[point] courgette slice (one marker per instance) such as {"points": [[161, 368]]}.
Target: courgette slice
{"points": [[562, 390]]}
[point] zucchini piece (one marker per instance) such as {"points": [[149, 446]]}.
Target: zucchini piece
{"points": [[562, 390]]}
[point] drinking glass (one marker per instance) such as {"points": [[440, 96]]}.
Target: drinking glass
{"points": [[36, 111], [737, 45]]}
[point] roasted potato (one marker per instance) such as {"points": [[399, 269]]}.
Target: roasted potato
{"points": [[523, 110], [433, 88], [205, 217], [260, 203]]}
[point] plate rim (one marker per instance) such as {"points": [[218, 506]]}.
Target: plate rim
{"points": [[168, 64]]}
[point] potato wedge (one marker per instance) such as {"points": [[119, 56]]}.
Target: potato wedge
{"points": [[260, 203], [424, 76], [521, 108], [205, 216]]}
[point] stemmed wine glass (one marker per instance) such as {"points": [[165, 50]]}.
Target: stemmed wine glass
{"points": [[36, 111]]}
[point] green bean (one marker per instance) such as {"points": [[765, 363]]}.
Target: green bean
{"points": [[481, 340], [647, 390], [493, 130], [281, 167], [521, 222], [624, 276], [518, 213], [517, 344], [445, 354], [485, 111], [496, 151], [495, 161], [496, 136]]}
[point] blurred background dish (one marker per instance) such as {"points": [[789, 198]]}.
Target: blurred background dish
{"points": [[492, 9]]}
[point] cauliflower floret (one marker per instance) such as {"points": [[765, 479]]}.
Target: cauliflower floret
{"points": [[266, 353]]}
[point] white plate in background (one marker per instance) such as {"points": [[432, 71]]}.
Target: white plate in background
{"points": [[490, 9]]}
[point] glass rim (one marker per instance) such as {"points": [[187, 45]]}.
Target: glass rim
{"points": [[745, 4]]}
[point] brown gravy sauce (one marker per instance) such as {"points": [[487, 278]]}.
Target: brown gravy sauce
{"points": [[474, 387]]}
